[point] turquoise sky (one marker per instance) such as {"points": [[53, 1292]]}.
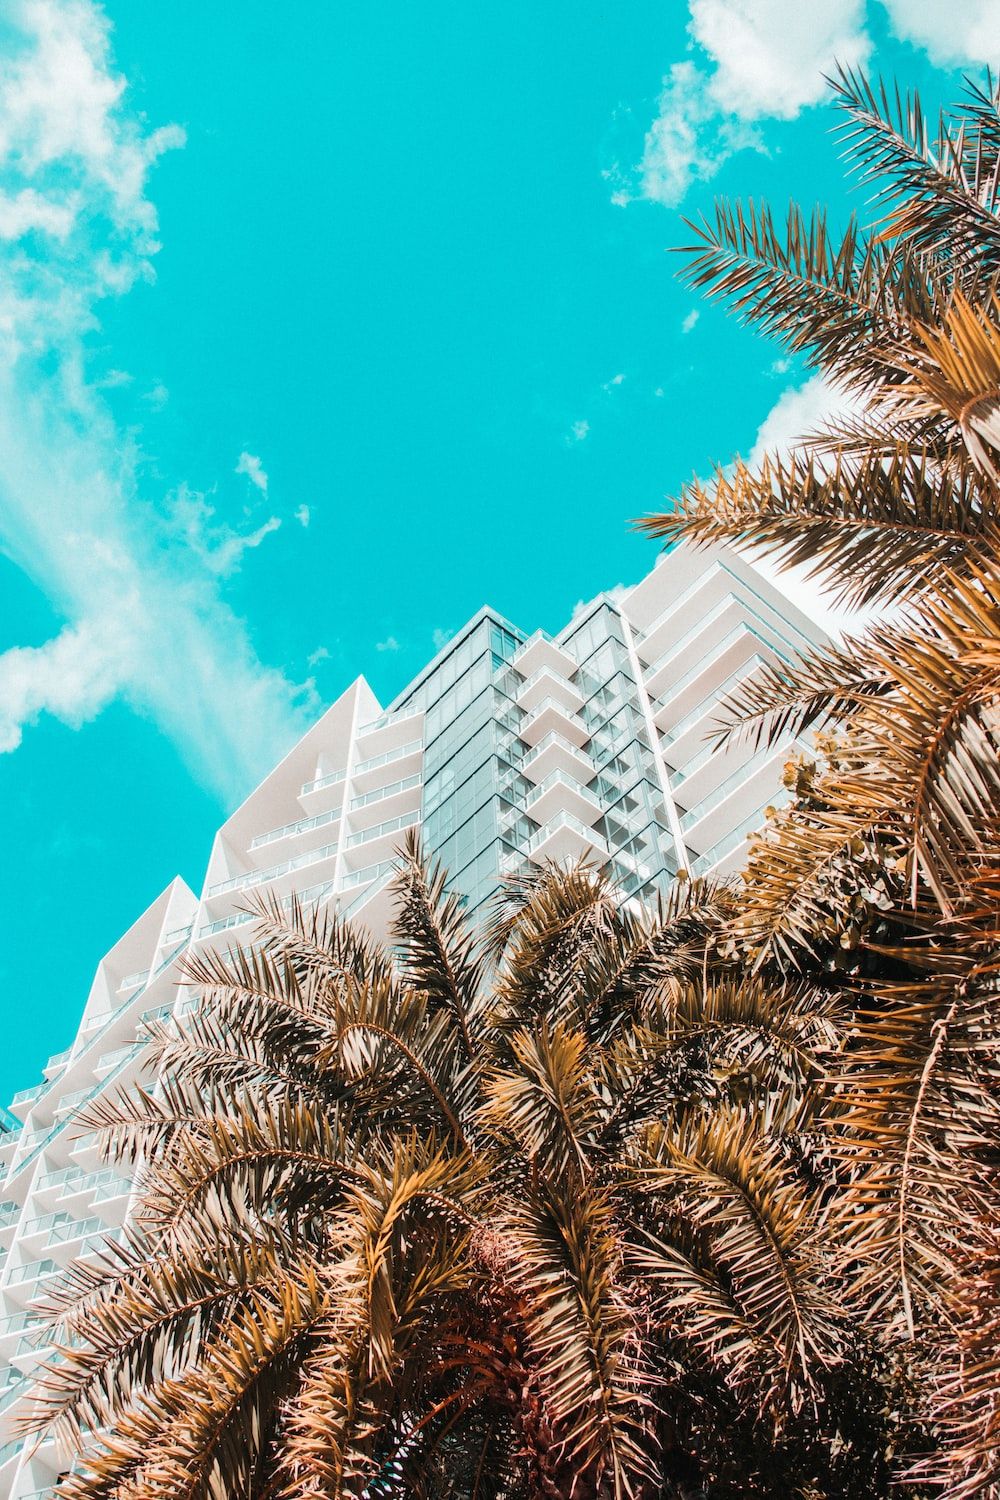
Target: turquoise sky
{"points": [[321, 326]]}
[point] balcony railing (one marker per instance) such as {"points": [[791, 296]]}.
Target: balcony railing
{"points": [[331, 779], [559, 778], [552, 738], [566, 820], [132, 981], [554, 703], [392, 825], [380, 793], [274, 872], [369, 873], [384, 720], [314, 893], [301, 825], [375, 762], [24, 1095], [34, 1270]]}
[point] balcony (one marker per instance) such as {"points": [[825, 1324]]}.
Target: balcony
{"points": [[743, 780], [364, 877], [382, 830], [381, 793], [730, 851], [9, 1214], [292, 830], [553, 716], [390, 720], [556, 753], [28, 1096], [311, 896], [364, 776], [274, 872], [560, 792], [108, 1062], [133, 981], [178, 934], [539, 651], [564, 837], [58, 1061], [333, 778], [548, 683]]}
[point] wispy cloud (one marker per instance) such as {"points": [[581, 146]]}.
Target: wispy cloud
{"points": [[136, 576], [579, 431], [389, 644], [689, 321], [250, 465], [441, 638], [303, 515]]}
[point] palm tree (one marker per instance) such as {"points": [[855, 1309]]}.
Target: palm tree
{"points": [[891, 846], [536, 1213]]}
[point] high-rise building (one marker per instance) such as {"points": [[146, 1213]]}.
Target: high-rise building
{"points": [[507, 750]]}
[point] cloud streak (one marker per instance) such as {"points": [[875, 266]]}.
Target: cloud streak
{"points": [[137, 576]]}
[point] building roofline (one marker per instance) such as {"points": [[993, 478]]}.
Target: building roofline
{"points": [[452, 644]]}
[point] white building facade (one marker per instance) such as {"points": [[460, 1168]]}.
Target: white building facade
{"points": [[507, 750]]}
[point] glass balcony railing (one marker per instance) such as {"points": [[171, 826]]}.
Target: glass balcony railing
{"points": [[274, 872], [313, 893], [33, 1271], [18, 1322], [290, 830], [23, 1096], [553, 738], [132, 981], [333, 778], [9, 1214], [392, 825], [551, 704], [553, 676], [178, 933], [380, 793], [369, 873], [559, 778], [384, 720], [375, 762], [58, 1059], [565, 820]]}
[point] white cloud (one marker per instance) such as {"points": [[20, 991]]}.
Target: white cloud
{"points": [[967, 32], [322, 653], [756, 60], [799, 412], [250, 465], [389, 644], [215, 542], [441, 638], [579, 431], [71, 677], [613, 383], [157, 396], [690, 320], [137, 580], [303, 515]]}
